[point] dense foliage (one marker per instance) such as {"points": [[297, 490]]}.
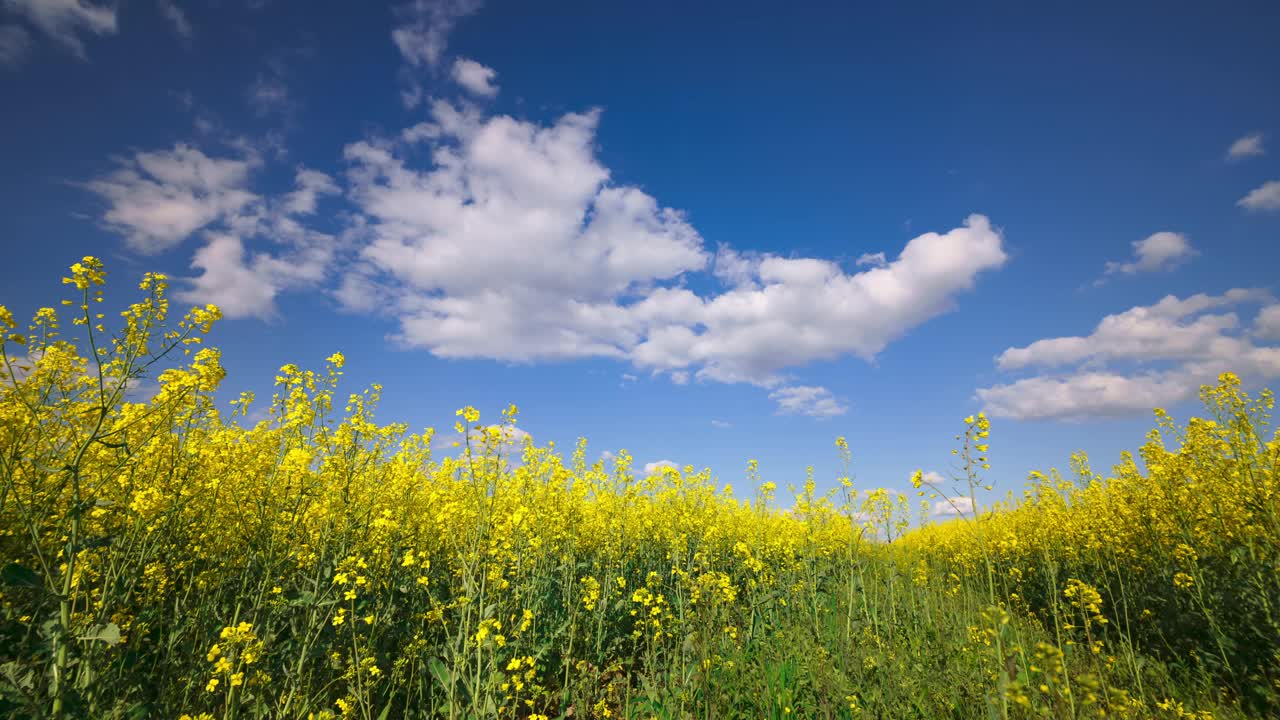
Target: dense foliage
{"points": [[160, 557]]}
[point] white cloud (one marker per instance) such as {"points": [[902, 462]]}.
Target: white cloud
{"points": [[176, 17], [65, 20], [421, 35], [1263, 197], [935, 478], [235, 284], [15, 44], [873, 259], [19, 367], [733, 268], [1161, 251], [1267, 324], [1165, 352], [1088, 394], [423, 32], [509, 436], [1248, 146], [807, 400], [960, 506], [245, 284], [808, 309], [1171, 329], [653, 467], [158, 199], [311, 184], [470, 221], [475, 78], [476, 246], [508, 440], [721, 424], [465, 226], [141, 390]]}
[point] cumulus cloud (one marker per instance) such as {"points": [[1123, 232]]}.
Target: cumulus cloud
{"points": [[1248, 146], [18, 367], [15, 44], [475, 78], [229, 280], [502, 238], [506, 440], [470, 221], [508, 436], [65, 20], [464, 227], [798, 310], [246, 284], [810, 400], [157, 199], [1263, 197], [733, 268], [658, 465], [1171, 329], [311, 184], [932, 477], [1267, 324], [1161, 251], [1146, 357], [960, 506], [476, 246]]}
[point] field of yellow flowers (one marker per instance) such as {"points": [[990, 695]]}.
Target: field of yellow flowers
{"points": [[171, 559]]}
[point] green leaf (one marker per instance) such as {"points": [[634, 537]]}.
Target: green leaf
{"points": [[108, 633], [440, 672]]}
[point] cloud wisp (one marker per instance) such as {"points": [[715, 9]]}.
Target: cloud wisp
{"points": [[421, 35], [65, 21]]}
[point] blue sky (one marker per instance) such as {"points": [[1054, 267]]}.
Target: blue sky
{"points": [[703, 234]]}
